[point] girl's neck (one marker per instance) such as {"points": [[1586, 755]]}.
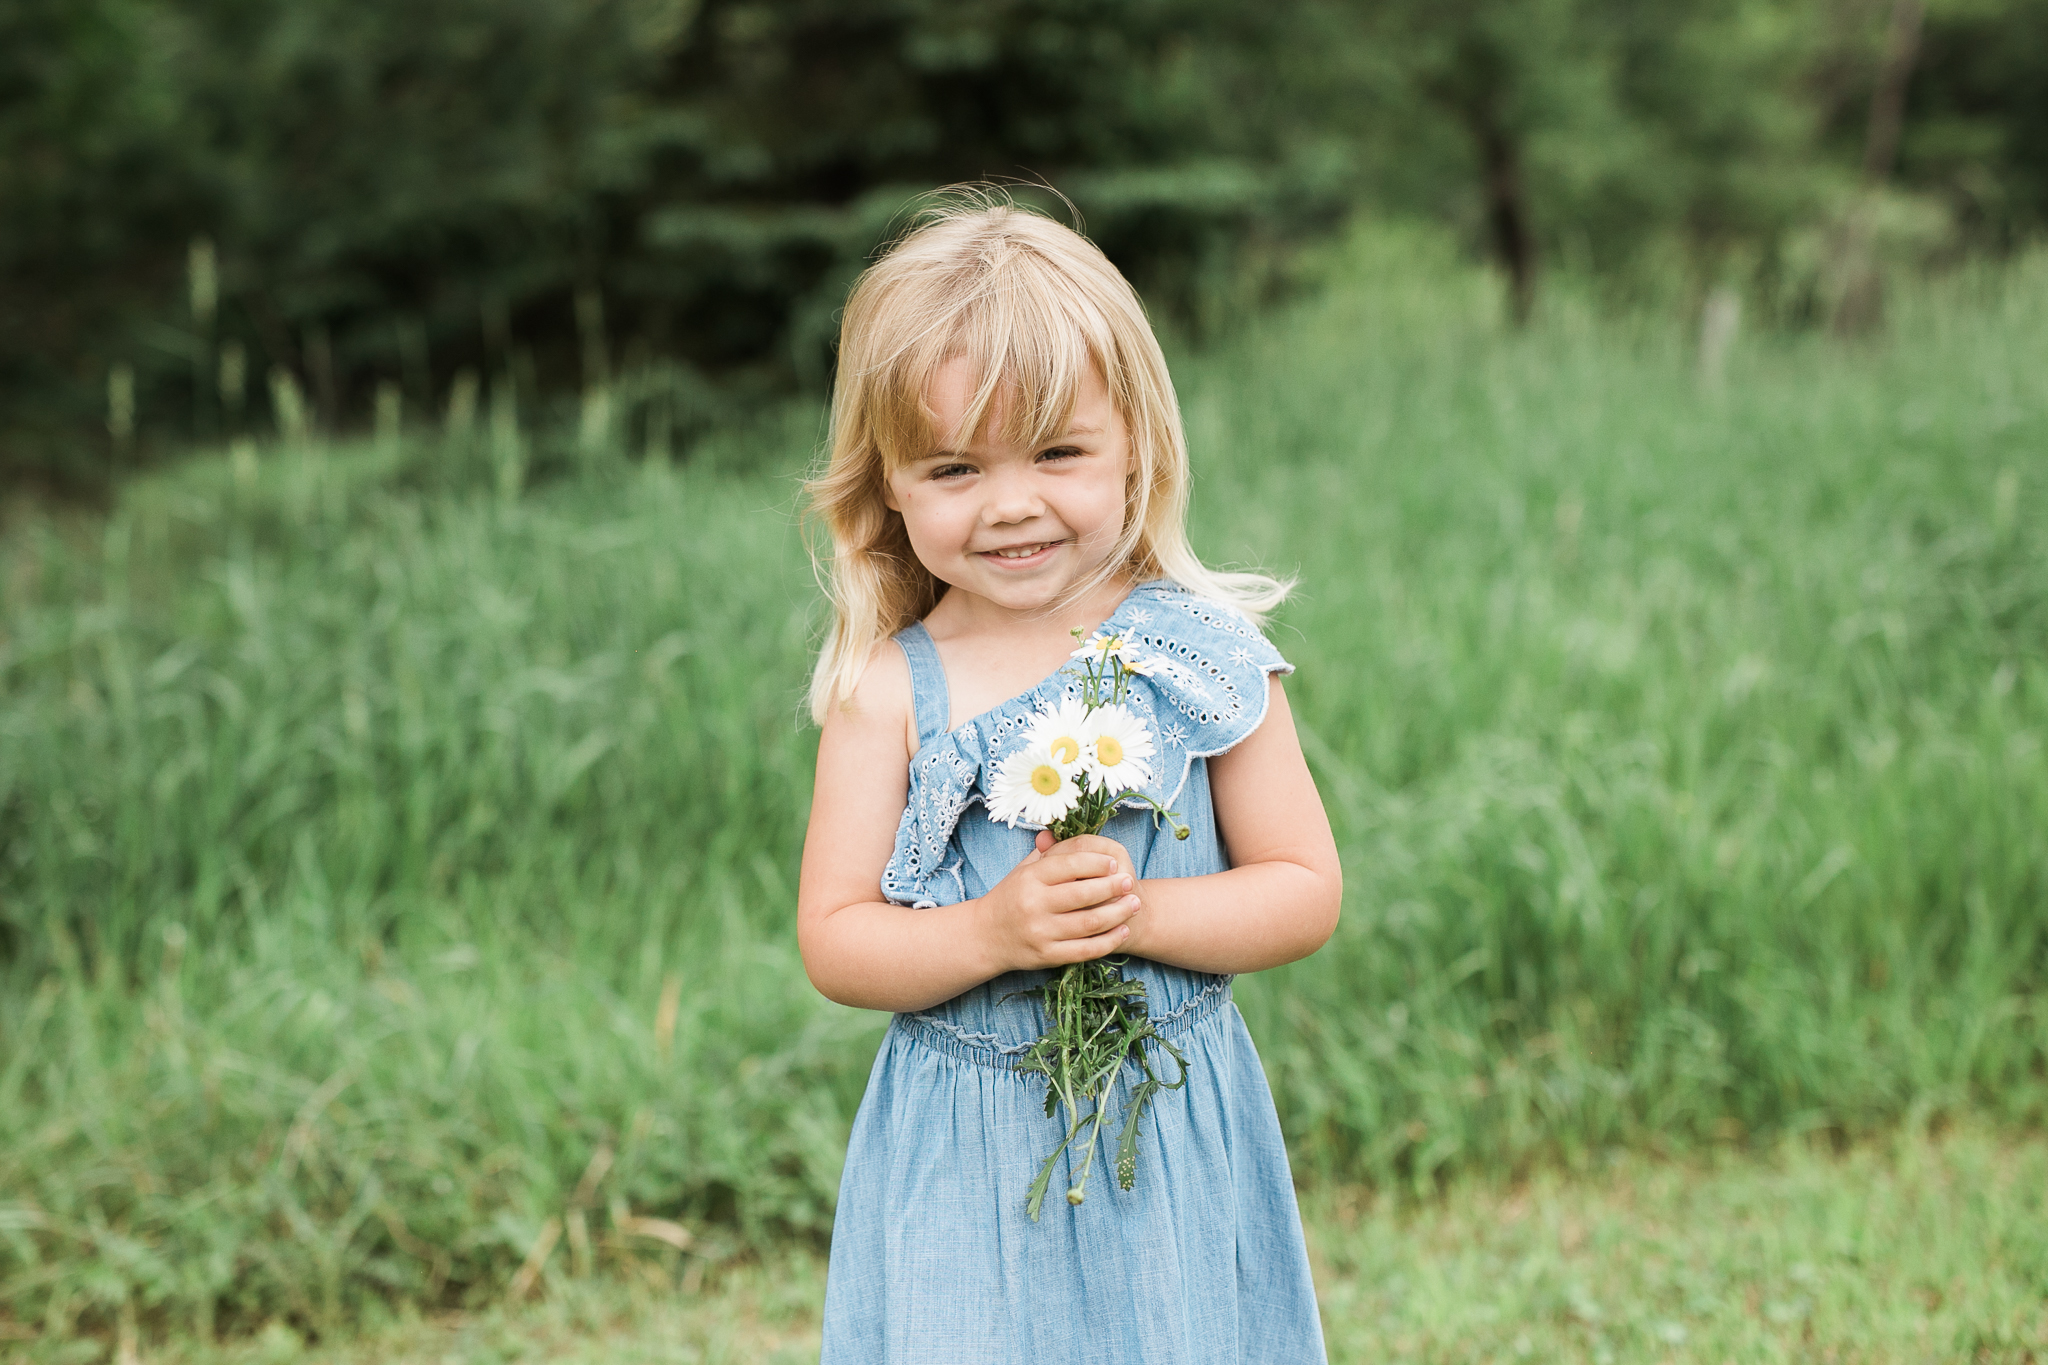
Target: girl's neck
{"points": [[991, 653], [966, 615]]}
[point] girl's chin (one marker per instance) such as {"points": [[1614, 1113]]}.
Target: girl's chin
{"points": [[1025, 598], [1021, 593]]}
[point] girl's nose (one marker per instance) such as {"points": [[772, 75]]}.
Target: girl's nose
{"points": [[1010, 499]]}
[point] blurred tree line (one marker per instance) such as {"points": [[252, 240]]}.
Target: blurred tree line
{"points": [[227, 214]]}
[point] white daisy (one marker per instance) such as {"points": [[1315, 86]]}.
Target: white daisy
{"points": [[1093, 645], [1032, 785], [1062, 730], [1106, 647], [1118, 745]]}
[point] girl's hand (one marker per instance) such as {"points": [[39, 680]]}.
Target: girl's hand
{"points": [[1101, 843], [1067, 905], [1092, 843]]}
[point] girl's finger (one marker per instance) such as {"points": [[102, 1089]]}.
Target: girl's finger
{"points": [[1068, 897], [1043, 842], [1087, 949], [1091, 843], [1098, 917], [1067, 867]]}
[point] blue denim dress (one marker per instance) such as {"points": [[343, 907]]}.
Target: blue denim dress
{"points": [[933, 1259]]}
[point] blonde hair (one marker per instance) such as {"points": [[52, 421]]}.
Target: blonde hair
{"points": [[1033, 305]]}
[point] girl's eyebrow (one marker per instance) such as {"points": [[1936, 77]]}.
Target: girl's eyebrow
{"points": [[943, 455]]}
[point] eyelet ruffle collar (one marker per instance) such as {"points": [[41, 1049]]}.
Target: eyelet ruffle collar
{"points": [[1207, 692]]}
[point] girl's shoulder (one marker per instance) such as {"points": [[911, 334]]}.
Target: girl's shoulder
{"points": [[1166, 603], [1202, 650], [883, 701]]}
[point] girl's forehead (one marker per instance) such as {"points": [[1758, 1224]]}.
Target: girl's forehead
{"points": [[961, 393]]}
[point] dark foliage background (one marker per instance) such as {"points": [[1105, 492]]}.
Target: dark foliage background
{"points": [[356, 192]]}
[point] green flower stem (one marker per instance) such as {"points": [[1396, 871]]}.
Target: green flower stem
{"points": [[1096, 1021]]}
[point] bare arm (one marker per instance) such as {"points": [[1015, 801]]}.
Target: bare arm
{"points": [[861, 950], [1279, 900]]}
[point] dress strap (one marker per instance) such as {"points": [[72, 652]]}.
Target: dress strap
{"points": [[927, 682]]}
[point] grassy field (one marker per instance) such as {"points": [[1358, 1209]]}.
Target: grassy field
{"points": [[396, 872], [1908, 1250]]}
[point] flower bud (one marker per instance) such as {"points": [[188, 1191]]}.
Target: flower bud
{"points": [[1074, 1196]]}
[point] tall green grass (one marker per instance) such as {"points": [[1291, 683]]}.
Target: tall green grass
{"points": [[1686, 749], [397, 880]]}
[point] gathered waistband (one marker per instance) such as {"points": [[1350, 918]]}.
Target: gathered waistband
{"points": [[986, 1049]]}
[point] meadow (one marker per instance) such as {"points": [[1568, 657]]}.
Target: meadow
{"points": [[1904, 1249], [400, 837]]}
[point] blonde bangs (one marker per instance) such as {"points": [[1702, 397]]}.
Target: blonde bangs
{"points": [[1029, 345], [1034, 307]]}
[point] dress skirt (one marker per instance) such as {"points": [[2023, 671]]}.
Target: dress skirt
{"points": [[935, 1263]]}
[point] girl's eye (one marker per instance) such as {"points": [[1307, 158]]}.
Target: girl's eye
{"points": [[952, 471], [1058, 453]]}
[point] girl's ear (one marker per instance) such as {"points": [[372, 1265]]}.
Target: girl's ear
{"points": [[889, 495]]}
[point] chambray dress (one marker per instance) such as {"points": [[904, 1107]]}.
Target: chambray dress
{"points": [[933, 1259]]}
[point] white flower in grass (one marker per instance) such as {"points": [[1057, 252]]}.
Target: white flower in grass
{"points": [[1118, 745], [1033, 785]]}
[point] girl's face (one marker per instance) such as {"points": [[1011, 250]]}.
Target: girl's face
{"points": [[1016, 525]]}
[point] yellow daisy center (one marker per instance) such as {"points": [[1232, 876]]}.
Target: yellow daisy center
{"points": [[1045, 779], [1066, 750], [1108, 752]]}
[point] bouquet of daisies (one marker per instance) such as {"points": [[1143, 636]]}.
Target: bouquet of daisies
{"points": [[1079, 762]]}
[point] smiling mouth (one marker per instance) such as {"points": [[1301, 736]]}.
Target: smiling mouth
{"points": [[1021, 551]]}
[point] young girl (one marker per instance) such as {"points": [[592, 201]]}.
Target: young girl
{"points": [[1007, 465]]}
